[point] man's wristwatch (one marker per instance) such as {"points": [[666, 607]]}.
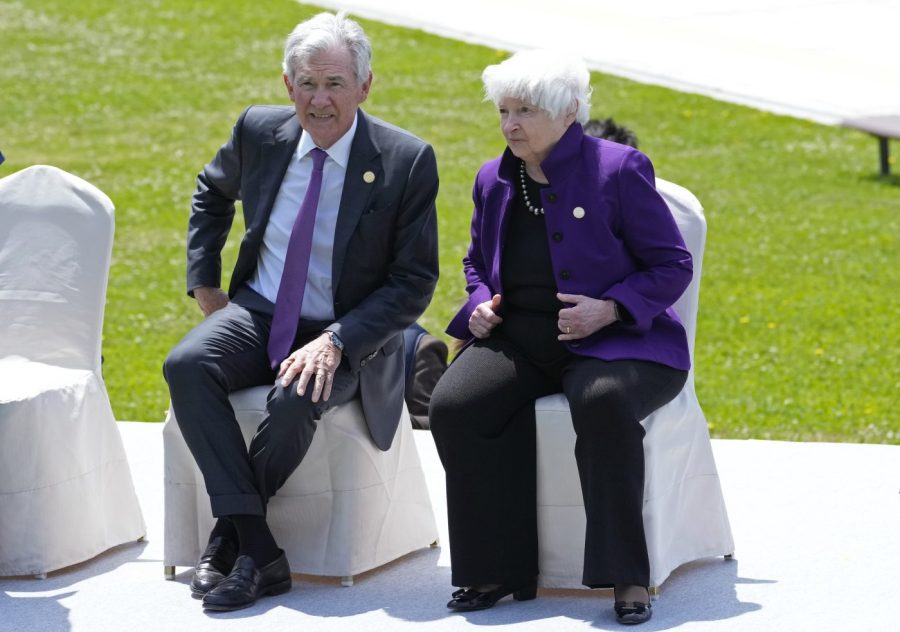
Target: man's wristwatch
{"points": [[335, 340], [616, 311]]}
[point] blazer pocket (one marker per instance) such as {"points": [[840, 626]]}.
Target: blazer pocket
{"points": [[375, 210], [392, 345]]}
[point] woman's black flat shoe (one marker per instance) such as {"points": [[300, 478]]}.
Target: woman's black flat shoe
{"points": [[466, 599], [632, 612]]}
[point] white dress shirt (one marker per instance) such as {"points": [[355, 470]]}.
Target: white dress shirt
{"points": [[318, 297]]}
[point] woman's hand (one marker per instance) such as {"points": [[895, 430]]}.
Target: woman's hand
{"points": [[586, 316], [484, 318]]}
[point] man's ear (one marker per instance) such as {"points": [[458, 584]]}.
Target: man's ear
{"points": [[365, 87], [289, 86]]}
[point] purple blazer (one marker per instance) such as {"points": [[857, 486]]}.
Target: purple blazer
{"points": [[611, 236]]}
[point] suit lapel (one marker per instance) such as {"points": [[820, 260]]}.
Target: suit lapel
{"points": [[364, 158], [274, 158]]}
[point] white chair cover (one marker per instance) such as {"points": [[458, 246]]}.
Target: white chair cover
{"points": [[66, 492], [684, 510], [348, 508]]}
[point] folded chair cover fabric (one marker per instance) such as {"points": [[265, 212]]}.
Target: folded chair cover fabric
{"points": [[348, 508], [66, 492]]}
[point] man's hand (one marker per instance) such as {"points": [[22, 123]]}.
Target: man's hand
{"points": [[585, 316], [210, 299], [317, 358], [485, 318]]}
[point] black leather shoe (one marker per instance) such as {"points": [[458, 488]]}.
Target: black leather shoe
{"points": [[214, 564], [632, 612], [246, 583], [470, 599]]}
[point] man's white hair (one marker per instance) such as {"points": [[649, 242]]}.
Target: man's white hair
{"points": [[324, 32], [556, 82]]}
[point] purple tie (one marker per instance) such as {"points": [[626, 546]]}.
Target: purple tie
{"points": [[296, 264]]}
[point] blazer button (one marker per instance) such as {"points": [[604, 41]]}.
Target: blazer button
{"points": [[363, 362], [557, 236], [551, 197], [564, 275]]}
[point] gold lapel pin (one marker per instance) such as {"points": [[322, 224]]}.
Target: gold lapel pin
{"points": [[369, 177], [578, 212]]}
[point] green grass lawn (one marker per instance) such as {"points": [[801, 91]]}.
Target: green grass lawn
{"points": [[798, 329]]}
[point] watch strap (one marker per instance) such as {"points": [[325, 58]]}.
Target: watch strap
{"points": [[335, 339]]}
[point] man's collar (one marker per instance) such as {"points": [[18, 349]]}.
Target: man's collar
{"points": [[339, 152]]}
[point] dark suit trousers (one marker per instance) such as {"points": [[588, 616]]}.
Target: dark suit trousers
{"points": [[482, 420], [227, 352]]}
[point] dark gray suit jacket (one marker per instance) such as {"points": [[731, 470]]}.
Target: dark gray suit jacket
{"points": [[385, 264]]}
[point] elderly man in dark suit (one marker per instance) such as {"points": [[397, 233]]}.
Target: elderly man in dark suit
{"points": [[338, 257]]}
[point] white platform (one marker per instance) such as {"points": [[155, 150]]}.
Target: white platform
{"points": [[823, 61], [817, 549]]}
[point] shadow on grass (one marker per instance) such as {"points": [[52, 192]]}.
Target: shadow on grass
{"points": [[891, 179]]}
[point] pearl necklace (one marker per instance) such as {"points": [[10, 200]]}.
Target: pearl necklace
{"points": [[537, 210]]}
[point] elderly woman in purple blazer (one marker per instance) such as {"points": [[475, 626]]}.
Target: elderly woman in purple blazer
{"points": [[574, 263]]}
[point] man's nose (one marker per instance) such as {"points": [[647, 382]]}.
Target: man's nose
{"points": [[319, 97]]}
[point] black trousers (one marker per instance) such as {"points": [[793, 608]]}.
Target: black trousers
{"points": [[482, 420], [227, 352]]}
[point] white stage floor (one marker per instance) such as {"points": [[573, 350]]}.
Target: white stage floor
{"points": [[815, 526]]}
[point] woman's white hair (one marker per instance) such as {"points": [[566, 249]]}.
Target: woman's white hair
{"points": [[324, 32], [556, 82]]}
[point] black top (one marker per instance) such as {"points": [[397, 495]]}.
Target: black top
{"points": [[529, 306]]}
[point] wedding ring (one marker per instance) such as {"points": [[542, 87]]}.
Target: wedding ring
{"points": [[568, 330]]}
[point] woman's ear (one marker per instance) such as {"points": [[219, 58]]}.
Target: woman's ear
{"points": [[571, 116]]}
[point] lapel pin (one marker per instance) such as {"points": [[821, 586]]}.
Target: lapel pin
{"points": [[578, 212], [368, 177]]}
